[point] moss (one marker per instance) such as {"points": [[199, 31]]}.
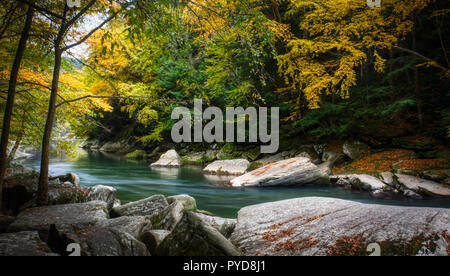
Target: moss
{"points": [[254, 166], [68, 196], [228, 148], [137, 154]]}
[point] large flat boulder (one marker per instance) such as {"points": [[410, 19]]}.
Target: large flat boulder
{"points": [[151, 206], [26, 243], [327, 226], [423, 186], [228, 167], [193, 237], [168, 159], [291, 172], [41, 218]]}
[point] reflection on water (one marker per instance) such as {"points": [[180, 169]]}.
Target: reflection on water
{"points": [[134, 180]]}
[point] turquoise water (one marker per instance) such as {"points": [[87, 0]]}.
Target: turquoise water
{"points": [[134, 180]]}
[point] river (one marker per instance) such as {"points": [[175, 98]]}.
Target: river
{"points": [[134, 180]]}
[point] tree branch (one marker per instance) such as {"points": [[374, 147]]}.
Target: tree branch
{"points": [[41, 9], [433, 63], [101, 97]]}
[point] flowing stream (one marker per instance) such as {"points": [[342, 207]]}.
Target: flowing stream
{"points": [[134, 180]]}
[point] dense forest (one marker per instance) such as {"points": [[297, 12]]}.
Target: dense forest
{"points": [[113, 70]]}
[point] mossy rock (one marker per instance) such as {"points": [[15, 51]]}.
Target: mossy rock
{"points": [[415, 143]]}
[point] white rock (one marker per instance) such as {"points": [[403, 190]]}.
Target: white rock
{"points": [[168, 159], [290, 172], [422, 186], [228, 167]]}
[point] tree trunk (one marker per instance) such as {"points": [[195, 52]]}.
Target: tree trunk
{"points": [[11, 95], [45, 158], [416, 79], [12, 154]]}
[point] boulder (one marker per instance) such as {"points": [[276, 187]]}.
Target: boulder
{"points": [[193, 237], [169, 217], [65, 193], [333, 158], [41, 218], [189, 203], [168, 159], [103, 193], [354, 149], [96, 240], [228, 167], [70, 177], [327, 226], [270, 159], [27, 243], [388, 178], [153, 238], [151, 206], [223, 225], [194, 158], [422, 186], [134, 226], [290, 172], [365, 182]]}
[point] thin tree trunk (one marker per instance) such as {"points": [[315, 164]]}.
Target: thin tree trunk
{"points": [[45, 159], [11, 97], [416, 79], [12, 154]]}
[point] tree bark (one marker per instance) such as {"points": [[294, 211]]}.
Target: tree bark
{"points": [[11, 96], [42, 199], [12, 154]]}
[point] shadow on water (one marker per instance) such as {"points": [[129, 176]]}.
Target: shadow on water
{"points": [[134, 180]]}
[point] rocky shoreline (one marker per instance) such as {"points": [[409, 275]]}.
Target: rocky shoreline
{"points": [[173, 226]]}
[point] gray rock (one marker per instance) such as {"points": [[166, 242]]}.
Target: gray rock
{"points": [[151, 206], [41, 218], [168, 218], [333, 158], [353, 149], [388, 178], [168, 159], [193, 158], [223, 225], [228, 167], [102, 193], [65, 193], [411, 194], [290, 172], [189, 203], [113, 146], [23, 244], [327, 226], [96, 240], [270, 159], [134, 226], [70, 177], [193, 237], [153, 238], [422, 186]]}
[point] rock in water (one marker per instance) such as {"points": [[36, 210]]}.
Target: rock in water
{"points": [[422, 186], [151, 206], [103, 193], [23, 244], [327, 226], [41, 218], [290, 172], [193, 237], [168, 159], [189, 203], [228, 167]]}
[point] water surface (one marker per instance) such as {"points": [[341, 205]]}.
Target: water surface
{"points": [[134, 180]]}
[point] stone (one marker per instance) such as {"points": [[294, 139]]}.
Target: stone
{"points": [[422, 186], [194, 158], [113, 147], [169, 217], [317, 226], [153, 238], [193, 237], [27, 243], [189, 203], [270, 159], [137, 154], [65, 193], [96, 240], [353, 149], [40, 218], [103, 193], [168, 159], [388, 178], [134, 226], [70, 177], [228, 167], [223, 225], [290, 172], [151, 206], [412, 194]]}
